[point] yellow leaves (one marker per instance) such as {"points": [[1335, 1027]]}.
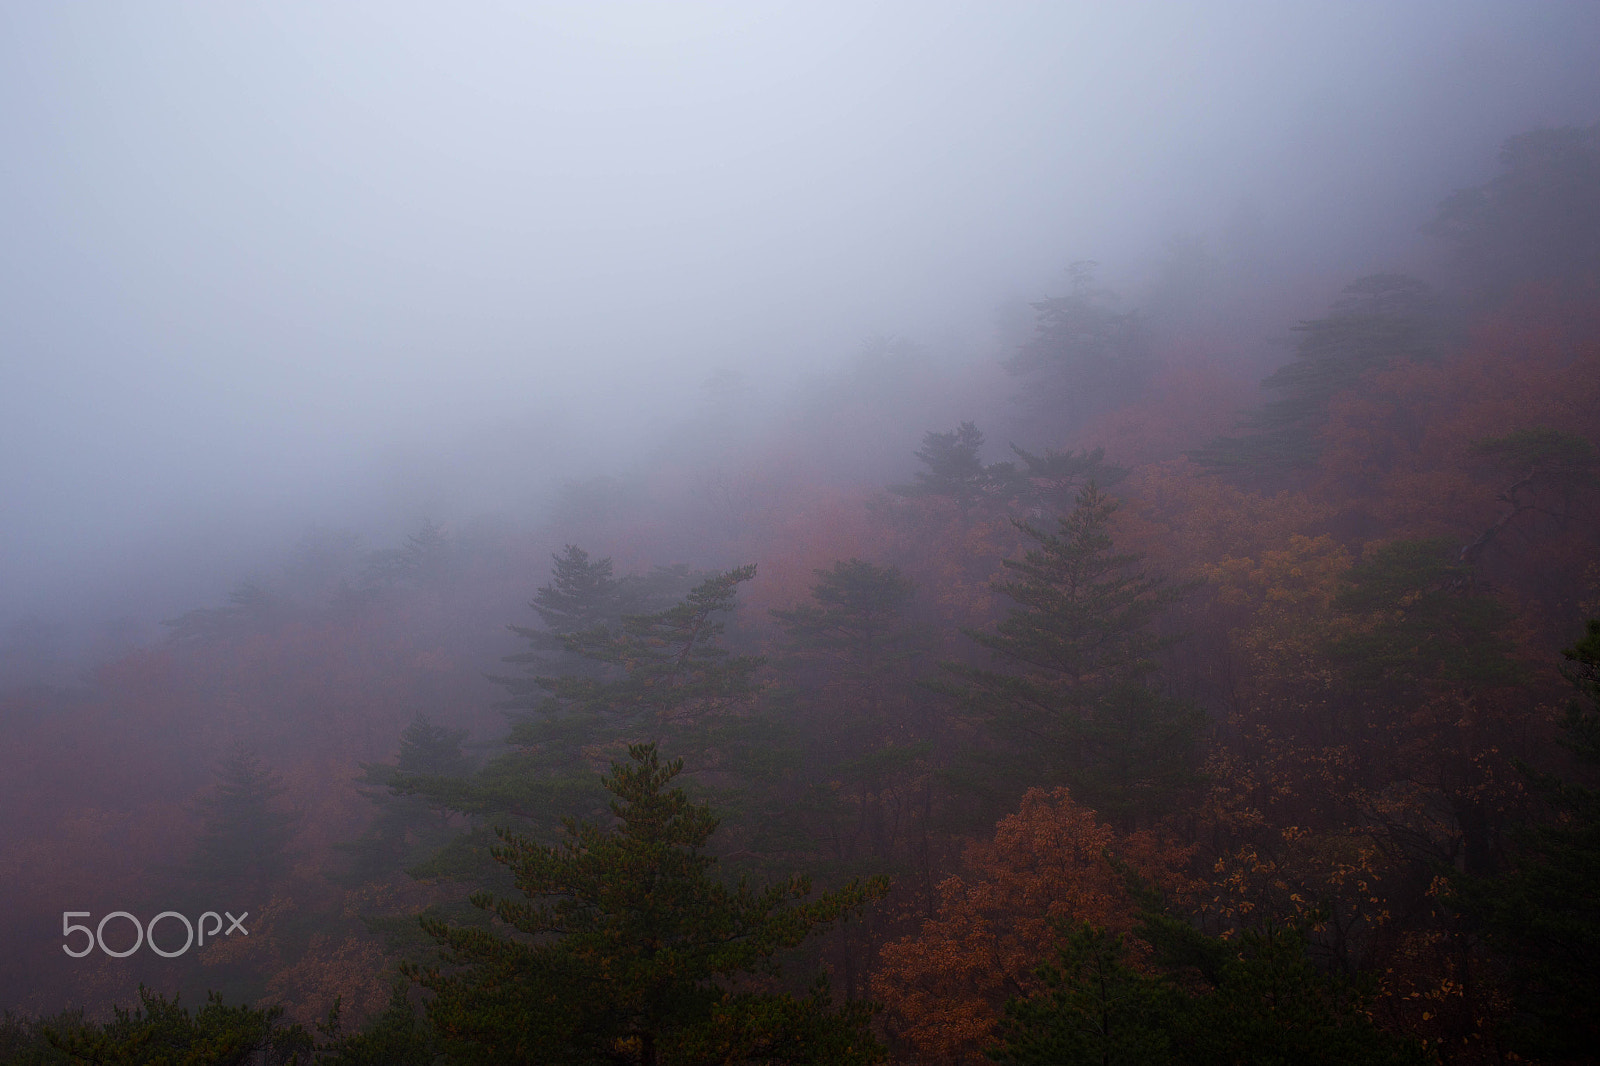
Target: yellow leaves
{"points": [[350, 970], [1304, 573]]}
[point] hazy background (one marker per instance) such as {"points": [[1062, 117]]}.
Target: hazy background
{"points": [[263, 266]]}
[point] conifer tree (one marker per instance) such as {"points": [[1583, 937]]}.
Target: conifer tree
{"points": [[627, 950], [1426, 639], [954, 468], [1052, 480], [246, 833], [673, 667], [424, 560], [1543, 915], [1094, 1009], [582, 595], [407, 827], [864, 783], [856, 618], [657, 675], [1261, 1000], [159, 1032], [1378, 321], [1538, 220], [399, 1036], [1084, 350], [1075, 704]]}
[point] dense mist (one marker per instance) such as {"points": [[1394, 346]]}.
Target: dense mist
{"points": [[1067, 487], [270, 268]]}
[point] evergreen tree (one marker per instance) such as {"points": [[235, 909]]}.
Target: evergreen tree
{"points": [[407, 827], [955, 469], [158, 1033], [1379, 320], [1537, 220], [581, 596], [1084, 351], [657, 675], [627, 950], [1262, 1000], [1254, 998], [1425, 622], [862, 790], [673, 667], [1543, 915], [1426, 639], [1076, 705], [1095, 1010], [426, 556], [1052, 481], [398, 1036], [245, 836], [249, 608], [1547, 468], [424, 560], [426, 748], [856, 618]]}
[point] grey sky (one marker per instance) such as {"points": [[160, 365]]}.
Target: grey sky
{"points": [[259, 261]]}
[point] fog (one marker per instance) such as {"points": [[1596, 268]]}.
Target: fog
{"points": [[271, 266], [1112, 483]]}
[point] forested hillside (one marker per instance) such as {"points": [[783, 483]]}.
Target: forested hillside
{"points": [[1147, 716]]}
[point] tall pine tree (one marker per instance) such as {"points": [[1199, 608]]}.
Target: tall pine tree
{"points": [[1378, 321], [627, 950], [1075, 703], [246, 832]]}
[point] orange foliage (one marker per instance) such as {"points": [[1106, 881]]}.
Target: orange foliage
{"points": [[944, 988]]}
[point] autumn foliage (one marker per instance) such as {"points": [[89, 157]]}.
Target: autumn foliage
{"points": [[1281, 671]]}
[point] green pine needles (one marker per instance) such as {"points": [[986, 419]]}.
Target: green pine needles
{"points": [[626, 949]]}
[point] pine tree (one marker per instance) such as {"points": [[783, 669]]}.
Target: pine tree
{"points": [[1053, 480], [1543, 915], [250, 607], [246, 833], [1538, 220], [954, 468], [424, 560], [582, 595], [1084, 351], [158, 1032], [1427, 640], [673, 667], [627, 950], [1259, 1000], [662, 674], [856, 618], [398, 1036], [1378, 321], [1076, 705], [407, 827], [1094, 1010], [862, 790]]}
